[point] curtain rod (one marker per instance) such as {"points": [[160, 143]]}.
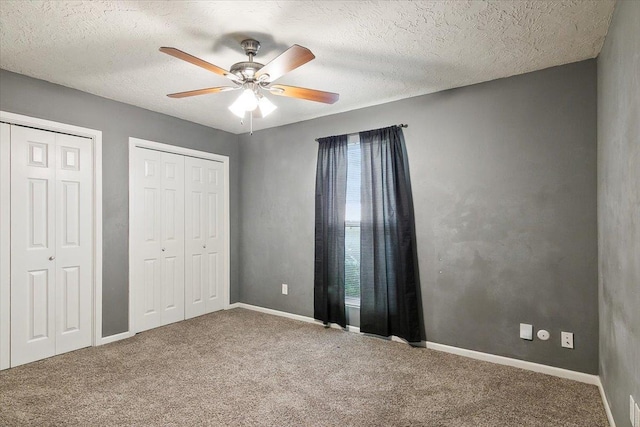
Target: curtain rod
{"points": [[401, 125]]}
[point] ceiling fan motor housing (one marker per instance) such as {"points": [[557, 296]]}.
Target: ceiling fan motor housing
{"points": [[247, 70]]}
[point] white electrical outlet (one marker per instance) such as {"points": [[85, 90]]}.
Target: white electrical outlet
{"points": [[567, 339], [285, 289], [632, 411]]}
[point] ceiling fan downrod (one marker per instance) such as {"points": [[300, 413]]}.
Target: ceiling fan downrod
{"points": [[247, 70]]}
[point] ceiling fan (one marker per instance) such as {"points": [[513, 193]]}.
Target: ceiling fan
{"points": [[255, 78]]}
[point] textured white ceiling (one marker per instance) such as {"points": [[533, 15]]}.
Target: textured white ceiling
{"points": [[370, 52]]}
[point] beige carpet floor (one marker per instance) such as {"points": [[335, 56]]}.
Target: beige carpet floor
{"points": [[243, 368]]}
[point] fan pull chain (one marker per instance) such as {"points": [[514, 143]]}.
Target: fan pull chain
{"points": [[250, 122]]}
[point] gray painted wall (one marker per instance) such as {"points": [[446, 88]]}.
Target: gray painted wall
{"points": [[619, 209], [504, 182], [118, 121]]}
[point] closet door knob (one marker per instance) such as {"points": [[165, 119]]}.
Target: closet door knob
{"points": [[51, 258], [204, 246], [163, 249]]}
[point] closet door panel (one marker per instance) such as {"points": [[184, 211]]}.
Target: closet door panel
{"points": [[214, 179], [196, 214], [74, 242], [146, 233], [33, 245], [172, 238]]}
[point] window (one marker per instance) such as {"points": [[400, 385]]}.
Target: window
{"points": [[352, 223], [387, 204]]}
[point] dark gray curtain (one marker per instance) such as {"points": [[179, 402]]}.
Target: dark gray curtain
{"points": [[389, 279], [331, 199]]}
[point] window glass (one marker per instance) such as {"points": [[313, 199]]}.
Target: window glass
{"points": [[352, 223]]}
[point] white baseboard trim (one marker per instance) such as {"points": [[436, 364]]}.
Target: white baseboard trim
{"points": [[501, 360], [517, 363], [299, 317], [114, 338], [392, 338], [605, 402]]}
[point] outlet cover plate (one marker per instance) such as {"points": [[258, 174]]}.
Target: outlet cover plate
{"points": [[567, 339], [526, 331], [285, 289]]}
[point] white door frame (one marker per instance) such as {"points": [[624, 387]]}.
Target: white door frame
{"points": [[136, 142], [5, 247], [5, 238]]}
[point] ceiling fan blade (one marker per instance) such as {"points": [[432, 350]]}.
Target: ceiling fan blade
{"points": [[304, 93], [288, 60], [177, 53], [202, 91]]}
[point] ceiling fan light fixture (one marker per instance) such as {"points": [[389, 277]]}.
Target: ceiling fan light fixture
{"points": [[266, 107], [248, 100], [237, 109]]}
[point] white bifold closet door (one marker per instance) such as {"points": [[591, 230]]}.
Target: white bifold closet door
{"points": [[178, 246], [158, 233], [204, 247], [51, 243]]}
